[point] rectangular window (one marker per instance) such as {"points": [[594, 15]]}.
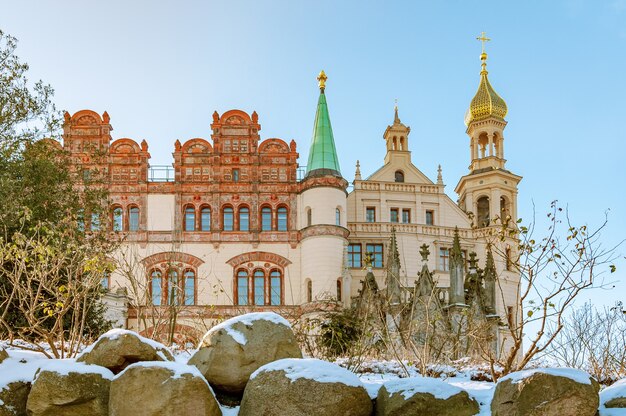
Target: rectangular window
{"points": [[95, 222], [226, 146], [235, 145], [243, 146], [444, 259], [354, 255], [393, 215], [235, 175], [406, 216], [430, 217], [376, 251], [370, 214]]}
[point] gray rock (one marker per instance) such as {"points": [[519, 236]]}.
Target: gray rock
{"points": [[233, 350]]}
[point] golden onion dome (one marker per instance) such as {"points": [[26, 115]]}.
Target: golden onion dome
{"points": [[486, 103]]}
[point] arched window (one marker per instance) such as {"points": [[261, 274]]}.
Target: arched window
{"points": [[173, 294], [399, 175], [227, 219], [504, 210], [118, 220], [309, 217], [282, 219], [242, 287], [337, 216], [482, 211], [309, 290], [275, 288], [205, 219], [266, 219], [190, 287], [339, 290], [133, 219], [259, 287], [156, 288], [244, 219], [190, 218]]}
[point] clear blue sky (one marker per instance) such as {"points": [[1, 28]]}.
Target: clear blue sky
{"points": [[161, 68]]}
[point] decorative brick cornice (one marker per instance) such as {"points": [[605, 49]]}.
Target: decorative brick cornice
{"points": [[324, 181], [324, 229], [259, 256], [171, 257]]}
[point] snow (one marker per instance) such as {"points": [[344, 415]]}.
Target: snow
{"points": [[247, 319], [20, 366], [118, 332], [311, 369], [578, 376], [408, 387], [67, 366], [178, 370], [618, 389]]}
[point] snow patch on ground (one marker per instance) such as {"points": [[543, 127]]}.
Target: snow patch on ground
{"points": [[247, 319], [578, 376], [311, 369], [118, 332], [67, 366], [408, 387]]}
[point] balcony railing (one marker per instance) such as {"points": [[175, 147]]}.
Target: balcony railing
{"points": [[161, 173]]}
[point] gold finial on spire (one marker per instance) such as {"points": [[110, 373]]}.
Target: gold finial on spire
{"points": [[322, 80], [483, 56]]}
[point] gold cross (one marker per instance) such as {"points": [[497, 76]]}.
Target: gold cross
{"points": [[482, 38]]}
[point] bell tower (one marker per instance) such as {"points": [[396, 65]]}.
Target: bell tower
{"points": [[397, 139], [489, 191]]}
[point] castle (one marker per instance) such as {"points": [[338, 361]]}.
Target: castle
{"points": [[236, 226]]}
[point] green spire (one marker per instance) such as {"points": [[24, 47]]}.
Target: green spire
{"points": [[323, 158]]}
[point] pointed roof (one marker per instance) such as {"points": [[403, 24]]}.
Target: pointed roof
{"points": [[486, 103], [323, 158]]}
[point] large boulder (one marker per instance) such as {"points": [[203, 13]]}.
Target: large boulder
{"points": [[119, 348], [303, 387], [546, 392], [162, 389], [423, 396], [614, 395], [13, 397], [234, 349], [68, 388]]}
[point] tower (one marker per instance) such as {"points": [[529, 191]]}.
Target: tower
{"points": [[489, 190], [397, 140], [322, 209]]}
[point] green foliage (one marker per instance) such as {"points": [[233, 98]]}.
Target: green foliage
{"points": [[340, 333], [42, 204]]}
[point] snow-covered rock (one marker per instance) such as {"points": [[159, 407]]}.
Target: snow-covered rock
{"points": [[3, 354], [546, 391], [119, 348], [234, 349], [65, 387], [16, 375], [423, 395], [614, 396], [302, 387], [162, 388]]}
